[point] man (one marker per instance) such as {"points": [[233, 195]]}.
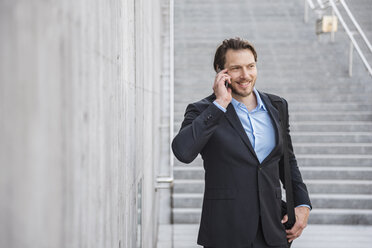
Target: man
{"points": [[238, 133]]}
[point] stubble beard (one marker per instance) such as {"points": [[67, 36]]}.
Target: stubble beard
{"points": [[242, 93]]}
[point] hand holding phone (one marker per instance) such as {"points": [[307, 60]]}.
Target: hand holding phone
{"points": [[226, 81], [222, 88]]}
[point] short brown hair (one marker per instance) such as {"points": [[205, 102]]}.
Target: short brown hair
{"points": [[232, 43]]}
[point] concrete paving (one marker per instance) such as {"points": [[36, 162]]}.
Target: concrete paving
{"points": [[319, 236]]}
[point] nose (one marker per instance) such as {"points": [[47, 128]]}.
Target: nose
{"points": [[245, 74]]}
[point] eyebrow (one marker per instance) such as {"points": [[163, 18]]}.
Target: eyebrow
{"points": [[253, 63]]}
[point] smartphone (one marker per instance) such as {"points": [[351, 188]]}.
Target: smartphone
{"points": [[226, 82]]}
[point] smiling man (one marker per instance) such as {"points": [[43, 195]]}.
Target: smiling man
{"points": [[238, 133]]}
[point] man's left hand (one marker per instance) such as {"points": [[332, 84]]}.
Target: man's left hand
{"points": [[302, 215]]}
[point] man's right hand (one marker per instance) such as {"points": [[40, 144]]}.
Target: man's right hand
{"points": [[223, 94]]}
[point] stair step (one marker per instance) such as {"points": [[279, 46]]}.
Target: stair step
{"points": [[330, 186], [188, 186], [330, 116], [355, 201], [336, 201], [333, 106], [320, 116], [320, 126], [339, 137], [293, 87], [317, 216], [192, 95], [189, 172], [341, 216], [340, 126], [330, 137], [285, 88], [313, 107], [196, 162], [347, 160], [186, 215], [340, 173], [334, 160], [332, 148]]}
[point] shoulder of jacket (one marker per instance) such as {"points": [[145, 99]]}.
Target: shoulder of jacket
{"points": [[273, 97], [205, 102]]}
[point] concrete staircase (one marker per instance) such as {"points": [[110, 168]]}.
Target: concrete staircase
{"points": [[330, 113]]}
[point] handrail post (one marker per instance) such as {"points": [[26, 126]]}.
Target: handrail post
{"points": [[171, 93], [351, 51], [169, 179], [319, 15], [306, 12], [333, 31]]}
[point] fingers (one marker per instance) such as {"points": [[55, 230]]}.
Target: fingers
{"points": [[223, 78], [302, 214], [285, 219], [220, 81], [223, 93], [294, 236], [222, 71], [296, 231]]}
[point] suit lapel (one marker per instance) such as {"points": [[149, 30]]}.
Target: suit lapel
{"points": [[274, 114], [234, 120]]}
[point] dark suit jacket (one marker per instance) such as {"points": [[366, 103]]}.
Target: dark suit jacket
{"points": [[238, 188]]}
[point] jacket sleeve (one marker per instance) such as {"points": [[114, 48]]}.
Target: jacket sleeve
{"points": [[300, 193], [196, 129]]}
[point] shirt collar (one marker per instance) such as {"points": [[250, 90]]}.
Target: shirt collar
{"points": [[260, 104]]}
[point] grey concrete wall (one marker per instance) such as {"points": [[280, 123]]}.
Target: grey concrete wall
{"points": [[79, 124]]}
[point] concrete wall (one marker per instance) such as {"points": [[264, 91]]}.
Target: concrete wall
{"points": [[79, 122]]}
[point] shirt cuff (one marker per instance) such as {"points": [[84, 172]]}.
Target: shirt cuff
{"points": [[304, 205], [219, 106]]}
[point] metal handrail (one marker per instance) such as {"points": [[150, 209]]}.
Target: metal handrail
{"points": [[311, 4], [351, 36], [356, 24], [320, 2], [348, 32]]}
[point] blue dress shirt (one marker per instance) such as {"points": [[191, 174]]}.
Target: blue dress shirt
{"points": [[257, 125]]}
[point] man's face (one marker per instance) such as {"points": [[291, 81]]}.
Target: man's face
{"points": [[242, 69]]}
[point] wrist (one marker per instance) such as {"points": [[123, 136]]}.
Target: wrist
{"points": [[223, 103], [303, 209]]}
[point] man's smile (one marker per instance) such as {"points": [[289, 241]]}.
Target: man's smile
{"points": [[244, 84]]}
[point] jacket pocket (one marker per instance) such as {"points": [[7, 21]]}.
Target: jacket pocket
{"points": [[220, 194]]}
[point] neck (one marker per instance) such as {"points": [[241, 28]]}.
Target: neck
{"points": [[249, 101]]}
